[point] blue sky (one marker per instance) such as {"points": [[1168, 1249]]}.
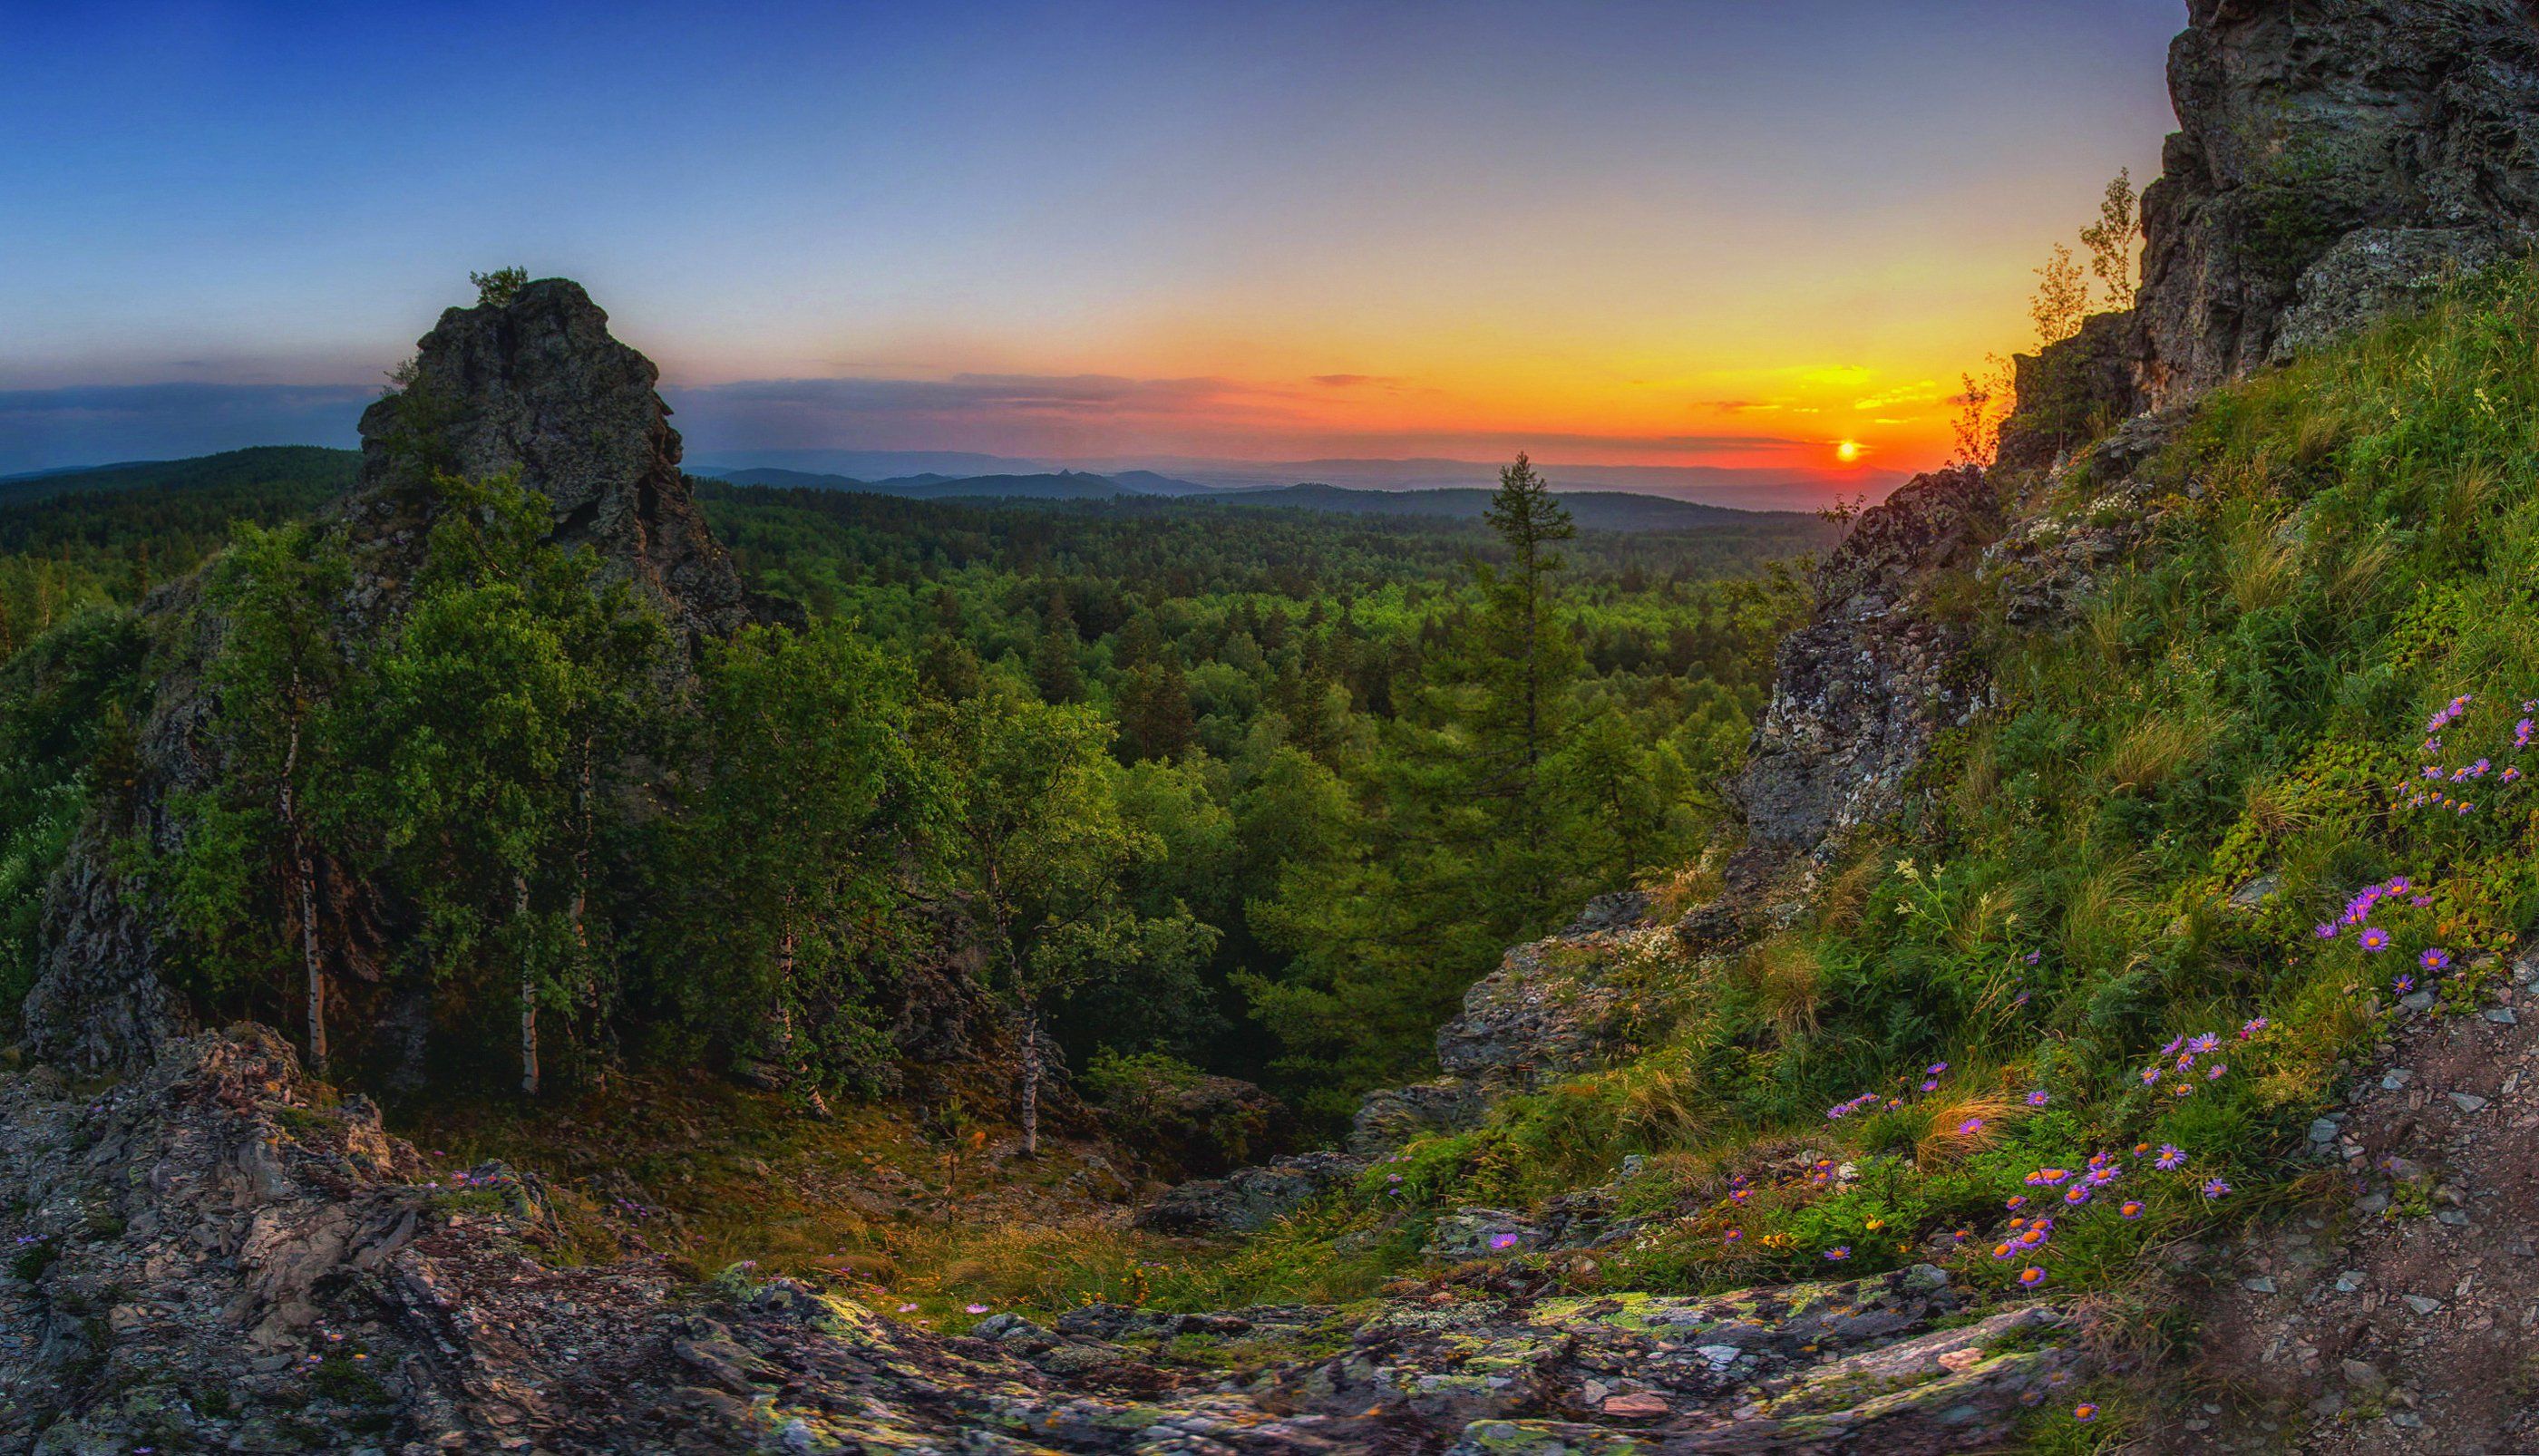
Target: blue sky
{"points": [[1083, 229]]}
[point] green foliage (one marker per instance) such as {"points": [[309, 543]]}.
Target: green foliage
{"points": [[2250, 700], [781, 865], [477, 746], [1036, 842], [67, 702], [1293, 747], [500, 287], [233, 884]]}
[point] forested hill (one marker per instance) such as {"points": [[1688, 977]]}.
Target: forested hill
{"points": [[835, 549], [311, 472], [1593, 511], [1282, 689]]}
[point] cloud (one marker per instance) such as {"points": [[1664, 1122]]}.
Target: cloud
{"points": [[1927, 392], [1351, 381], [1109, 415], [96, 423], [1739, 406], [1033, 416], [927, 413]]}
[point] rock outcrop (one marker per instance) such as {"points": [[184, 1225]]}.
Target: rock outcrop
{"points": [[537, 385], [1884, 665], [2334, 157], [534, 385], [1191, 1125], [1551, 1010], [2070, 393], [216, 1256]]}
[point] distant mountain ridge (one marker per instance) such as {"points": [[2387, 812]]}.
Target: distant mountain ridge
{"points": [[230, 468], [1592, 510], [1065, 484], [316, 467]]}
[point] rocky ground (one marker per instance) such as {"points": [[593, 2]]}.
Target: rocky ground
{"points": [[2401, 1311], [215, 1255]]}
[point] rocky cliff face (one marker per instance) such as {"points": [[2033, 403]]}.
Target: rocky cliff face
{"points": [[535, 385], [1860, 690], [2332, 157]]}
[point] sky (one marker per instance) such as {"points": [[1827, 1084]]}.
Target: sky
{"points": [[1700, 233]]}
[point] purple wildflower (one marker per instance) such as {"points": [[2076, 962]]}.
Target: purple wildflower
{"points": [[2214, 1188], [2038, 1099], [2374, 939], [2170, 1157], [2436, 958]]}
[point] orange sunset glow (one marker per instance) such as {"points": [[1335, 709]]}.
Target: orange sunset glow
{"points": [[1692, 237]]}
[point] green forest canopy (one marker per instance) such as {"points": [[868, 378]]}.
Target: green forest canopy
{"points": [[1300, 723]]}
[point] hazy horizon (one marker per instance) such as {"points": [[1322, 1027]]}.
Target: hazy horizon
{"points": [[1656, 235]]}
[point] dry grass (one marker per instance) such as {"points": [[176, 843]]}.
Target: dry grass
{"points": [[1944, 1142], [2355, 577], [2460, 500], [2273, 809], [2261, 562], [1982, 917], [1786, 979], [1840, 900], [2157, 746], [1664, 1105], [2103, 625], [1977, 782], [1698, 883], [2101, 908]]}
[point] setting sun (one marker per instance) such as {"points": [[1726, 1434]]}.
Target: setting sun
{"points": [[1849, 452]]}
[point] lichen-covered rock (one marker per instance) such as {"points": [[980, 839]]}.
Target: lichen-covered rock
{"points": [[1859, 693], [2376, 271], [2331, 154], [213, 1255]]}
